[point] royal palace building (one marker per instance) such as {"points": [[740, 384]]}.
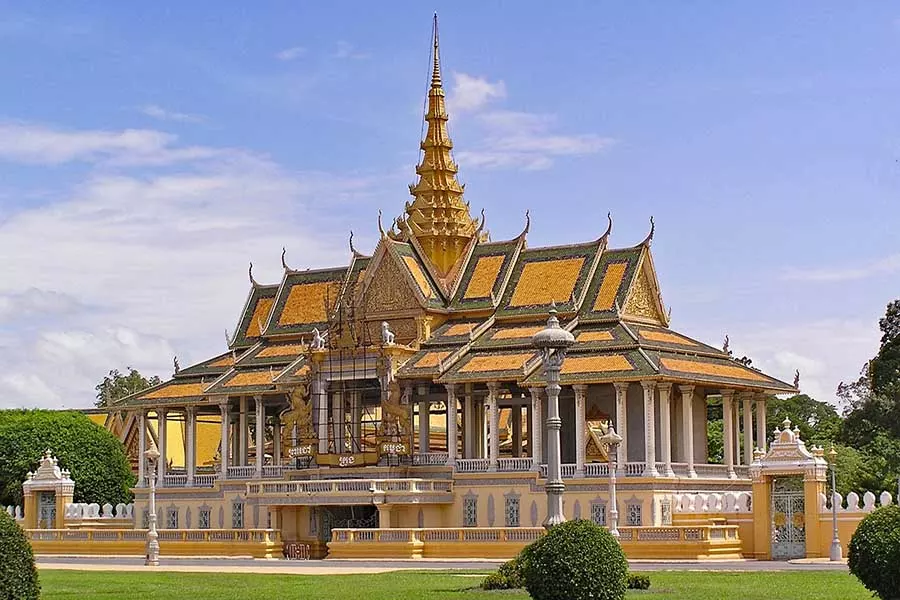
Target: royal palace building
{"points": [[402, 391]]}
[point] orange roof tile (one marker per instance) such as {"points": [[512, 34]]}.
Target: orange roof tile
{"points": [[594, 336], [225, 361], [306, 302], [593, 364], [283, 350], [460, 329], [177, 390], [516, 332], [250, 378], [665, 336], [700, 368], [418, 275], [260, 316], [546, 281], [483, 277], [431, 359], [496, 362], [609, 288]]}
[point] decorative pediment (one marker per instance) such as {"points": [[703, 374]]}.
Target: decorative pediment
{"points": [[643, 302], [390, 287], [788, 454]]}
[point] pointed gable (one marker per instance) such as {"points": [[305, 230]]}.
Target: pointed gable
{"points": [[482, 283], [609, 287], [395, 281], [643, 303], [257, 309], [305, 301]]}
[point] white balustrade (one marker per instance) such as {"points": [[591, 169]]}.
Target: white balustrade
{"points": [[473, 465], [350, 486], [515, 464], [429, 459], [635, 469], [244, 472], [596, 470]]}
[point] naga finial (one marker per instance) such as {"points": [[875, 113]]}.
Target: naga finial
{"points": [[380, 228], [797, 379], [649, 239], [726, 346], [352, 249], [608, 226], [250, 273], [177, 366], [283, 262], [481, 224]]}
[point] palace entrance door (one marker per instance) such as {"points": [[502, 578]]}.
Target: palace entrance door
{"points": [[346, 517], [788, 525], [46, 510]]}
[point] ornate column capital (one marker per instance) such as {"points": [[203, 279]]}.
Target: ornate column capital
{"points": [[664, 386], [451, 389], [190, 410], [648, 385], [493, 387], [580, 389], [536, 392], [727, 394], [621, 386], [686, 390]]}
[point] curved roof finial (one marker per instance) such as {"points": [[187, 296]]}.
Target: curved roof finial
{"points": [[283, 262], [649, 239], [608, 227], [380, 228], [480, 225], [352, 249], [250, 273]]}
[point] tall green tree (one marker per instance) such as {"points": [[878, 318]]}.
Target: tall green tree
{"points": [[95, 457], [116, 386]]}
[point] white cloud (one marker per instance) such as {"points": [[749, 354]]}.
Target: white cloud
{"points": [[157, 112], [884, 266], [473, 93], [508, 138], [135, 265], [347, 50], [526, 141], [826, 351], [36, 144], [292, 53]]}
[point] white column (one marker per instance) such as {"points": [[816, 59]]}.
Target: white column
{"points": [[223, 443], [260, 435], [338, 421], [424, 426], [649, 429], [687, 423], [580, 427], [452, 433], [516, 416], [468, 423], [665, 422], [536, 427], [728, 430], [161, 422], [761, 432], [320, 400], [493, 424], [243, 442], [142, 447], [190, 437], [736, 431], [276, 440], [621, 426], [748, 427]]}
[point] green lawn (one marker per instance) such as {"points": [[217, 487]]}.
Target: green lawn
{"points": [[91, 585]]}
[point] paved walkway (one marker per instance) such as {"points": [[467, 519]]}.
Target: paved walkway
{"points": [[349, 567]]}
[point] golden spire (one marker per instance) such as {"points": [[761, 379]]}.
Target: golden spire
{"points": [[438, 217]]}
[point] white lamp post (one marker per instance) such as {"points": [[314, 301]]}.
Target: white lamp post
{"points": [[612, 440], [152, 557], [552, 343], [836, 552]]}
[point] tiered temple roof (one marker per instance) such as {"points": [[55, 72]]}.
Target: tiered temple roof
{"points": [[463, 306]]}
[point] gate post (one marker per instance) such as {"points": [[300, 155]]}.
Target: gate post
{"points": [[762, 515], [813, 486]]}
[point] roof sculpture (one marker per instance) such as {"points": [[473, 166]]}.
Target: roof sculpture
{"points": [[461, 308]]}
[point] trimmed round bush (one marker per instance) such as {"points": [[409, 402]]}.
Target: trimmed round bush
{"points": [[576, 560], [18, 575], [509, 576], [875, 552]]}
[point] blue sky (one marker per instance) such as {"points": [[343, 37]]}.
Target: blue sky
{"points": [[148, 151]]}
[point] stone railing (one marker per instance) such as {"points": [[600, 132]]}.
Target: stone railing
{"points": [[14, 511], [355, 487], [501, 542], [84, 512], [515, 464], [852, 502], [729, 502], [596, 470], [473, 465], [242, 472], [430, 459]]}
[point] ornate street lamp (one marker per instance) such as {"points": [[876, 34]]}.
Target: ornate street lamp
{"points": [[612, 440], [152, 557], [836, 551], [552, 343]]}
